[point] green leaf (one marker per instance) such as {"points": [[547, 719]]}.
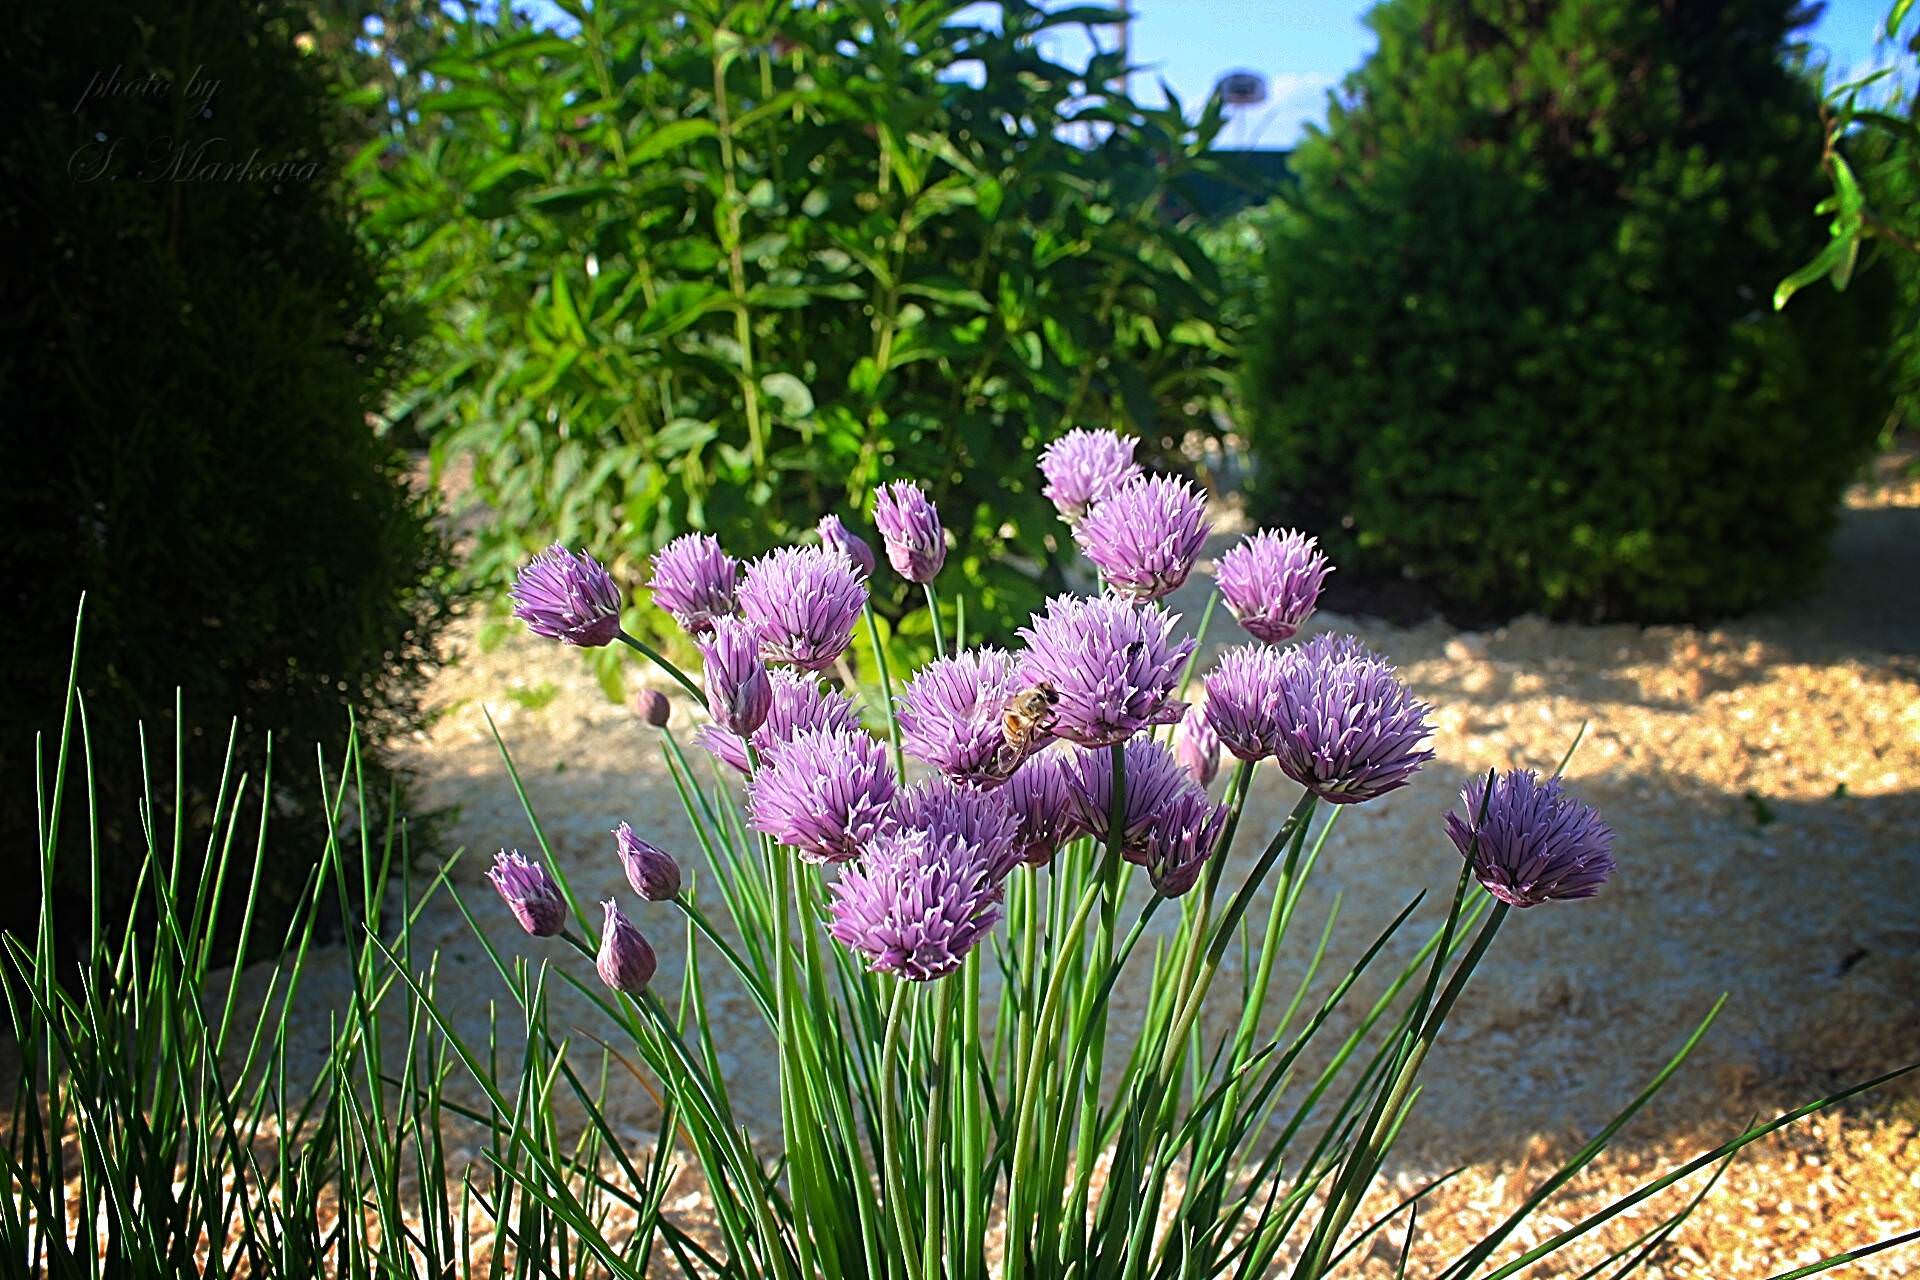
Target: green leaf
{"points": [[678, 306], [682, 436], [795, 400], [666, 138], [499, 171], [778, 296], [948, 290], [1828, 260], [568, 199], [456, 101]]}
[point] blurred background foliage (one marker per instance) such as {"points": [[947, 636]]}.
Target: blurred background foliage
{"points": [[1520, 352], [729, 267]]}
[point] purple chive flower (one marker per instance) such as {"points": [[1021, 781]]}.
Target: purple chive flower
{"points": [[568, 596], [652, 706], [835, 536], [803, 602], [1041, 801], [529, 893], [693, 579], [909, 524], [1179, 841], [651, 871], [1113, 663], [950, 716], [1245, 702], [826, 793], [1347, 729], [1145, 535], [1084, 466], [1271, 581], [739, 692], [1196, 746], [799, 702], [981, 820], [626, 960], [1155, 780], [1536, 842], [929, 886]]}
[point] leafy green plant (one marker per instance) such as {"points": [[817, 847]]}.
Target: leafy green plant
{"points": [[161, 1120], [194, 343], [723, 267], [1519, 347]]}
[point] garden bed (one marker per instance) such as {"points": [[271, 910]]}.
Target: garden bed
{"points": [[1760, 777]]}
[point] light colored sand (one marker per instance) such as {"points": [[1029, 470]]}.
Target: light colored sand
{"points": [[1761, 777]]}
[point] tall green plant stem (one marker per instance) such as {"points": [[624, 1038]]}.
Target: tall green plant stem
{"points": [[893, 1154], [933, 614], [736, 263], [934, 1139], [1288, 838], [1024, 1133], [1384, 1121], [1094, 1004], [659, 660], [881, 665]]}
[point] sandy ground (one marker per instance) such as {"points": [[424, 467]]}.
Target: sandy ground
{"points": [[1761, 777]]}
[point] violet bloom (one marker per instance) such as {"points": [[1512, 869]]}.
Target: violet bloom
{"points": [[626, 962], [693, 579], [652, 706], [981, 820], [835, 536], [950, 716], [909, 524], [739, 692], [803, 602], [651, 871], [1271, 582], [1084, 466], [826, 793], [1043, 804], [568, 596], [1154, 781], [1145, 535], [1113, 663], [1536, 842], [1246, 701], [1179, 841], [1196, 746], [530, 893], [799, 702], [1348, 729], [929, 886]]}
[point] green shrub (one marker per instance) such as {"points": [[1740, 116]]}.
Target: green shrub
{"points": [[194, 344], [728, 269], [1520, 346]]}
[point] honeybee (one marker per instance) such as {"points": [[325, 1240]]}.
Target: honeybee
{"points": [[1029, 714]]}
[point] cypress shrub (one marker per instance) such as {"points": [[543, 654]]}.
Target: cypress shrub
{"points": [[195, 340], [1519, 345]]}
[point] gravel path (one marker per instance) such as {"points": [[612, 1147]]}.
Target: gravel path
{"points": [[1761, 777]]}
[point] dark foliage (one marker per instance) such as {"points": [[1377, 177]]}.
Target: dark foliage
{"points": [[194, 345], [1521, 349]]}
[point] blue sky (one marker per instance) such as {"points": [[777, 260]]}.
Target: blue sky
{"points": [[1303, 47]]}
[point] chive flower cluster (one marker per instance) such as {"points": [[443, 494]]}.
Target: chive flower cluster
{"points": [[1018, 752]]}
